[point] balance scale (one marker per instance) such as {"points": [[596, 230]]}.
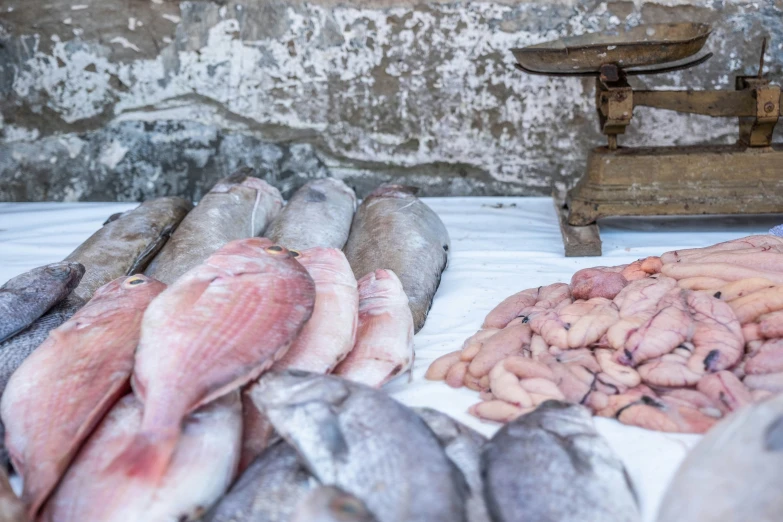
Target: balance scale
{"points": [[744, 178]]}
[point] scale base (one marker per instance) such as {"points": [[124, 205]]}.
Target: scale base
{"points": [[660, 181]]}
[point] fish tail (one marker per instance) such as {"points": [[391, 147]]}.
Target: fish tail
{"points": [[147, 456]]}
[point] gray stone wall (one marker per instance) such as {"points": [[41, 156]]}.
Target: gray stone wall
{"points": [[128, 99]]}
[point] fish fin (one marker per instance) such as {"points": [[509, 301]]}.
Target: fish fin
{"points": [[143, 259], [147, 456]]}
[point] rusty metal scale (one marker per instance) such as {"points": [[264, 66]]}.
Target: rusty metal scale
{"points": [[744, 178]]}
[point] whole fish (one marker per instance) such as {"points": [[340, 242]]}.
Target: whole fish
{"points": [[363, 441], [200, 471], [11, 508], [331, 331], [331, 504], [61, 392], [463, 446], [551, 465], [318, 215], [384, 340], [269, 490], [732, 473], [28, 296], [237, 207], [393, 229], [126, 244], [222, 324]]}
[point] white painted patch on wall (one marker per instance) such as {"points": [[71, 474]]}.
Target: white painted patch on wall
{"points": [[113, 154]]}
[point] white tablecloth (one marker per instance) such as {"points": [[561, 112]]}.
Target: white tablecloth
{"points": [[499, 246]]}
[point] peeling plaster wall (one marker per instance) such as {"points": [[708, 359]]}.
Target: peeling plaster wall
{"points": [[110, 99]]}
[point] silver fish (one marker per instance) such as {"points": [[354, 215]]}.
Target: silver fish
{"points": [[363, 441], [237, 207], [28, 296], [393, 229], [124, 245], [331, 504], [269, 490], [318, 215], [551, 465], [733, 473], [463, 446]]}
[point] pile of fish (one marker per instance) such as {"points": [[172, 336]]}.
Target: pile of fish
{"points": [[128, 368], [670, 343]]}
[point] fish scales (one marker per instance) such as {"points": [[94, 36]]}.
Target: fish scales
{"points": [[394, 230], [363, 441], [125, 245], [551, 465], [201, 469], [237, 207], [26, 297], [269, 489], [319, 214], [222, 324], [61, 392]]}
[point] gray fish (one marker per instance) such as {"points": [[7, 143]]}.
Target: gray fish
{"points": [[15, 350], [318, 215], [269, 490], [463, 446], [237, 207], [363, 441], [124, 245], [393, 229], [331, 504], [551, 465], [734, 473], [28, 296]]}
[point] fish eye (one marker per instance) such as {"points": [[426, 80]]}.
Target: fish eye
{"points": [[274, 249], [295, 253], [58, 271], [347, 505], [135, 281]]}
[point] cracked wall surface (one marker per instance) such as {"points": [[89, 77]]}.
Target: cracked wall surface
{"points": [[124, 100]]}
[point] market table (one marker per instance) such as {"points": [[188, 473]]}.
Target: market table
{"points": [[499, 246]]}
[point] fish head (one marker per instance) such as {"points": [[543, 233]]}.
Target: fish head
{"points": [[382, 284], [331, 504], [128, 291], [334, 184], [559, 417], [66, 273], [294, 387]]}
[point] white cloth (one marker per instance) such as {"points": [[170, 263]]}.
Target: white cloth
{"points": [[499, 246]]}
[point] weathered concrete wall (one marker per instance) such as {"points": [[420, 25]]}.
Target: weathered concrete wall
{"points": [[125, 99]]}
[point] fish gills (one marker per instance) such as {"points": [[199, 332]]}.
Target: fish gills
{"points": [[28, 296], [222, 324], [384, 340], [318, 215], [551, 465], [201, 469], [331, 331], [394, 230], [125, 245], [61, 392], [237, 207], [363, 441]]}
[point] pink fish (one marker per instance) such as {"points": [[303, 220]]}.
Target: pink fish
{"points": [[215, 329], [384, 341], [201, 469], [61, 392], [331, 331]]}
